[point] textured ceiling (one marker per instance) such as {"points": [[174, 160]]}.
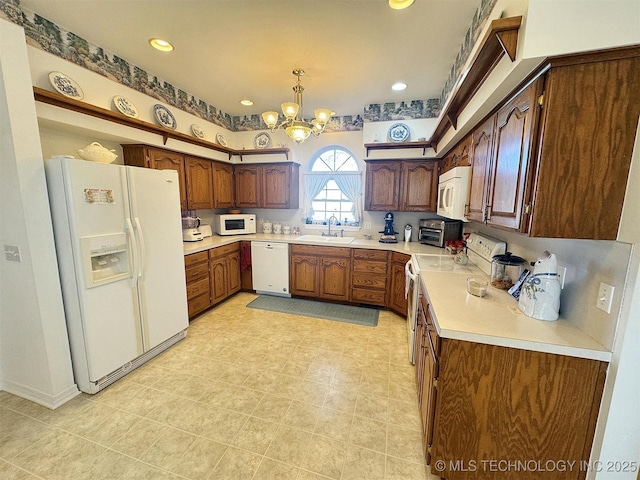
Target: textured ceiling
{"points": [[227, 50]]}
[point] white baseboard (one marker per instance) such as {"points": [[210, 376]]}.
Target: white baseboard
{"points": [[41, 398]]}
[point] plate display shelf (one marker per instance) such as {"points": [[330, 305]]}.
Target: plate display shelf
{"points": [[58, 100], [398, 145]]}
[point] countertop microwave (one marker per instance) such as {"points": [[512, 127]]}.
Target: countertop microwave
{"points": [[235, 224], [453, 193]]}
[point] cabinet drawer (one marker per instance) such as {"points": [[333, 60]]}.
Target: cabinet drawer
{"points": [[195, 258], [317, 250], [368, 280], [365, 254], [198, 304], [197, 272], [370, 267], [371, 297], [198, 287], [224, 250]]}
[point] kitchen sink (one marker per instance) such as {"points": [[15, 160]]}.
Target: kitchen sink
{"points": [[321, 239]]}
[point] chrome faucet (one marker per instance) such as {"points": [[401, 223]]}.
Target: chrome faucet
{"points": [[329, 234]]}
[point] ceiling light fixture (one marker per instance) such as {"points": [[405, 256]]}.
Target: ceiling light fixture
{"points": [[399, 86], [246, 102], [294, 124], [400, 4], [160, 44]]}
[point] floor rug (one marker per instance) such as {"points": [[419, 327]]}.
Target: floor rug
{"points": [[309, 308]]}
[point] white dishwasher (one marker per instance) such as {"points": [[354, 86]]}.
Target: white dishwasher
{"points": [[270, 268]]}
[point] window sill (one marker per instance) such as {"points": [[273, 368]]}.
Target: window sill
{"points": [[334, 228]]}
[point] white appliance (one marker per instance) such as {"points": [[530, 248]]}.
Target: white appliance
{"points": [[481, 249], [540, 295], [270, 268], [235, 224], [421, 264], [453, 193], [119, 247]]}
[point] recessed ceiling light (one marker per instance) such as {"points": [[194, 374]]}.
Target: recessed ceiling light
{"points": [[398, 86], [246, 102], [160, 44], [400, 4]]}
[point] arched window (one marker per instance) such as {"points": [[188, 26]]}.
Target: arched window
{"points": [[333, 187]]}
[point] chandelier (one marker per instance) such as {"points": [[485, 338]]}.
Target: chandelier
{"points": [[294, 124]]}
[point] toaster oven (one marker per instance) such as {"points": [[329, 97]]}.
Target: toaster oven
{"points": [[435, 232]]}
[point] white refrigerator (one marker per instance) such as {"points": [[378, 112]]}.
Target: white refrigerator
{"points": [[118, 238]]}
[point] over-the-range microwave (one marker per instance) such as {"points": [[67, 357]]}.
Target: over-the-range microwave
{"points": [[235, 224], [453, 193]]}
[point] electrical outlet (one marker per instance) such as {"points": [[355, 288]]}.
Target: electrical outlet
{"points": [[367, 225], [12, 253], [605, 297], [562, 273]]}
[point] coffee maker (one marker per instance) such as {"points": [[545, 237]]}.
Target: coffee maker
{"points": [[389, 233]]}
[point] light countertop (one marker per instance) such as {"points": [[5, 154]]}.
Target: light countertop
{"points": [[218, 241], [496, 320]]}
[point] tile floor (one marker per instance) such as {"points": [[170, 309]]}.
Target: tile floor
{"points": [[248, 394]]}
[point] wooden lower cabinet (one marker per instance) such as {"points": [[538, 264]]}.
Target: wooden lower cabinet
{"points": [[397, 300], [197, 279], [322, 272], [224, 265], [482, 403], [369, 271], [212, 276]]}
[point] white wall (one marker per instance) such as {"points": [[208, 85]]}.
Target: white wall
{"points": [[35, 361]]}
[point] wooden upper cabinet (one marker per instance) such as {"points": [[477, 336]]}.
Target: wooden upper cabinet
{"points": [[382, 189], [480, 158], [419, 186], [248, 186], [199, 183], [280, 186], [223, 185], [158, 159], [589, 121], [512, 148]]}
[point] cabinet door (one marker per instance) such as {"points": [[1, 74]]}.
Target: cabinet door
{"points": [[162, 160], [419, 186], [303, 275], [396, 296], [334, 278], [515, 124], [222, 185], [248, 186], [218, 272], [199, 183], [382, 191], [276, 185], [480, 159], [233, 273]]}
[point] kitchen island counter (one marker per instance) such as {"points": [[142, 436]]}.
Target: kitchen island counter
{"points": [[496, 320]]}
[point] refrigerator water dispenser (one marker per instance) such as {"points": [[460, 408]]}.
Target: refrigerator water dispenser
{"points": [[106, 258]]}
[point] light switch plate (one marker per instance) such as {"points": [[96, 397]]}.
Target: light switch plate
{"points": [[605, 297], [12, 253], [367, 225]]}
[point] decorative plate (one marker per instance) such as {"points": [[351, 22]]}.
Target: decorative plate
{"points": [[125, 107], [262, 140], [65, 85], [399, 132], [220, 138], [164, 117], [197, 131]]}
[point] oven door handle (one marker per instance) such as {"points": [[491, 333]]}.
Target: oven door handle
{"points": [[409, 277]]}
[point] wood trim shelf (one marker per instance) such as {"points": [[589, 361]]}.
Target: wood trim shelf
{"points": [[501, 38], [58, 100], [396, 146]]}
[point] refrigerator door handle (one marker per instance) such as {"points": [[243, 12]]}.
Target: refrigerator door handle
{"points": [[141, 246], [136, 259]]}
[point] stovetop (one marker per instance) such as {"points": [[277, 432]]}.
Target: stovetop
{"points": [[443, 263]]}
